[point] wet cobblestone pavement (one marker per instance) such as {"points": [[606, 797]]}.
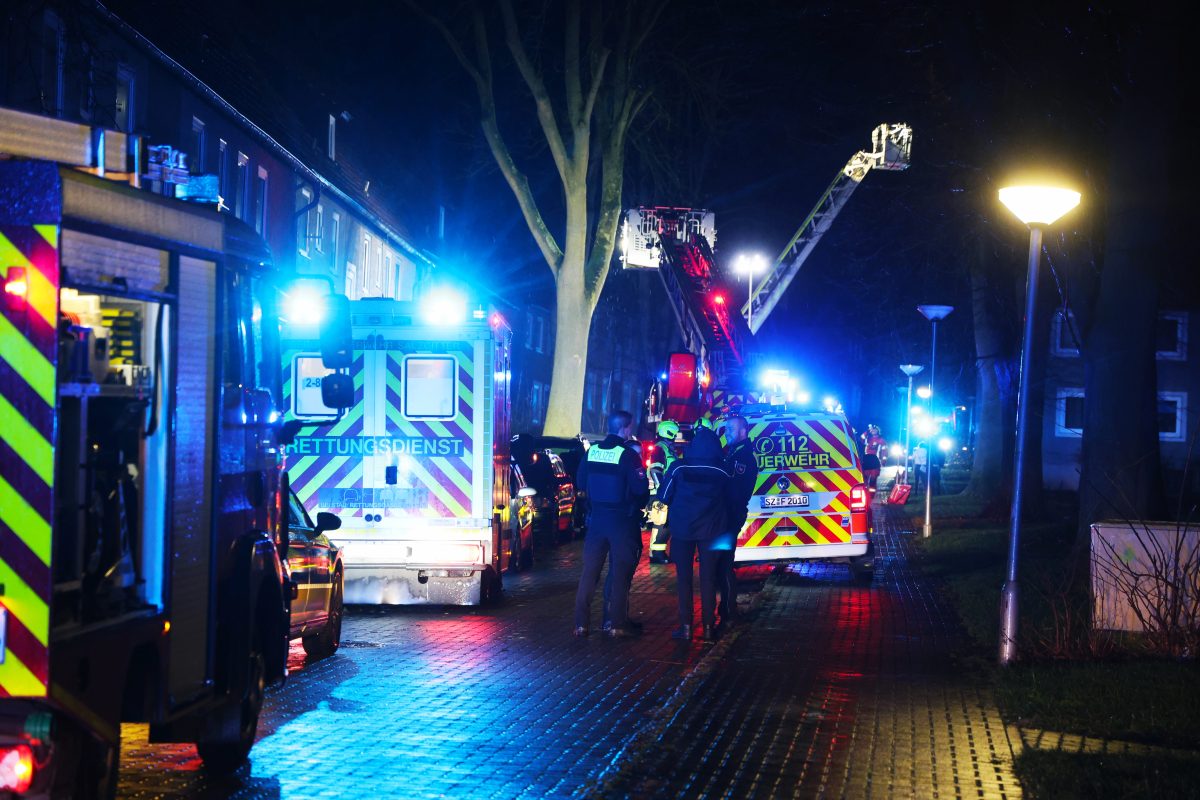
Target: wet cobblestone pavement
{"points": [[830, 689], [835, 690]]}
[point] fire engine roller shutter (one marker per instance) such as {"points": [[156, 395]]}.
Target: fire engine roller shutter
{"points": [[191, 542], [29, 233]]}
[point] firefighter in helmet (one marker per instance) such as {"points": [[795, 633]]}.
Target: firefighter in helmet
{"points": [[874, 450], [661, 458]]}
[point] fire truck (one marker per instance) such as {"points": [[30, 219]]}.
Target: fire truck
{"points": [[418, 467], [809, 500], [142, 513]]}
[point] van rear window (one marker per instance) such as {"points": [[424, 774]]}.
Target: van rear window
{"points": [[429, 387]]}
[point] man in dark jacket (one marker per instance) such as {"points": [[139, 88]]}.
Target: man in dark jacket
{"points": [[617, 491], [694, 490], [743, 473]]}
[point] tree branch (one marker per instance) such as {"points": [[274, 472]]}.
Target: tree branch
{"points": [[571, 69], [545, 109], [480, 71], [597, 81]]}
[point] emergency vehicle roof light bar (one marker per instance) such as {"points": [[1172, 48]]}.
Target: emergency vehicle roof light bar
{"points": [[891, 148]]}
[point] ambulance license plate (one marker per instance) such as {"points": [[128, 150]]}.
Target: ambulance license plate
{"points": [[785, 501]]}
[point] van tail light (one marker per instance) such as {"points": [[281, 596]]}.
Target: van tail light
{"points": [[16, 769], [858, 498]]}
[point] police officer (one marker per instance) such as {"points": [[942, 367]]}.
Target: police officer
{"points": [[743, 474], [660, 460], [617, 491]]}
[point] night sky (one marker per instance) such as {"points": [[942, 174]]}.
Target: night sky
{"points": [[757, 108]]}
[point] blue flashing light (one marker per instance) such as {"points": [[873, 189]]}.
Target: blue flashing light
{"points": [[444, 307], [304, 305]]}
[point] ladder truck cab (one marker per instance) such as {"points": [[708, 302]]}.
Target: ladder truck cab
{"points": [[418, 467], [706, 381], [141, 481]]}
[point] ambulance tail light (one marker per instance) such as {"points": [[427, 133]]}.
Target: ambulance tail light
{"points": [[16, 769], [858, 498], [16, 289]]}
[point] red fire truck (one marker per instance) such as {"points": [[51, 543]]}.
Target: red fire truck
{"points": [[141, 475]]}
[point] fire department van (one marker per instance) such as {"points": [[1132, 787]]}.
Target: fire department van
{"points": [[418, 467], [809, 498]]}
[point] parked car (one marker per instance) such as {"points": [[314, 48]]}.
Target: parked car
{"points": [[315, 566], [570, 450], [557, 511]]}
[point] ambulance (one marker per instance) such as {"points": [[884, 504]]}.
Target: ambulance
{"points": [[810, 500], [418, 467]]}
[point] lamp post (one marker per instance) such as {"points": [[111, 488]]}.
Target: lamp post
{"points": [[910, 370], [750, 264], [1038, 207], [934, 314]]}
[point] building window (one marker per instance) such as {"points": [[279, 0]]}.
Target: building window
{"points": [[87, 85], [304, 223], [125, 116], [260, 202], [368, 268], [1062, 333], [535, 403], [1068, 413], [241, 186], [528, 331], [199, 145], [1170, 336], [352, 280], [319, 228], [1172, 416], [378, 270], [539, 339], [54, 57], [389, 275], [223, 172], [335, 241], [332, 146]]}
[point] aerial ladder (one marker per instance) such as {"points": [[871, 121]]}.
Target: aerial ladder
{"points": [[678, 243]]}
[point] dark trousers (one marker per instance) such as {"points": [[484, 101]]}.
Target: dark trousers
{"points": [[606, 617], [683, 553], [726, 585], [619, 538]]}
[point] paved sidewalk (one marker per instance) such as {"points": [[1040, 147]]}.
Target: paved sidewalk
{"points": [[834, 690], [431, 702]]}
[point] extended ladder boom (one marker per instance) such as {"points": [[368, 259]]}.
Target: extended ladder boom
{"points": [[891, 146]]}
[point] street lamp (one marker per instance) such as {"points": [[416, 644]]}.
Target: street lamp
{"points": [[750, 264], [1038, 207], [934, 314], [910, 370]]}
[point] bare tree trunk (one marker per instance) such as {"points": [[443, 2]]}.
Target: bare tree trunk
{"points": [[1122, 474], [574, 321], [991, 477]]}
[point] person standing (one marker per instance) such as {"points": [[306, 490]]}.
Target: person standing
{"points": [[695, 491], [937, 460], [873, 452], [660, 460], [920, 459], [615, 483], [743, 474]]}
